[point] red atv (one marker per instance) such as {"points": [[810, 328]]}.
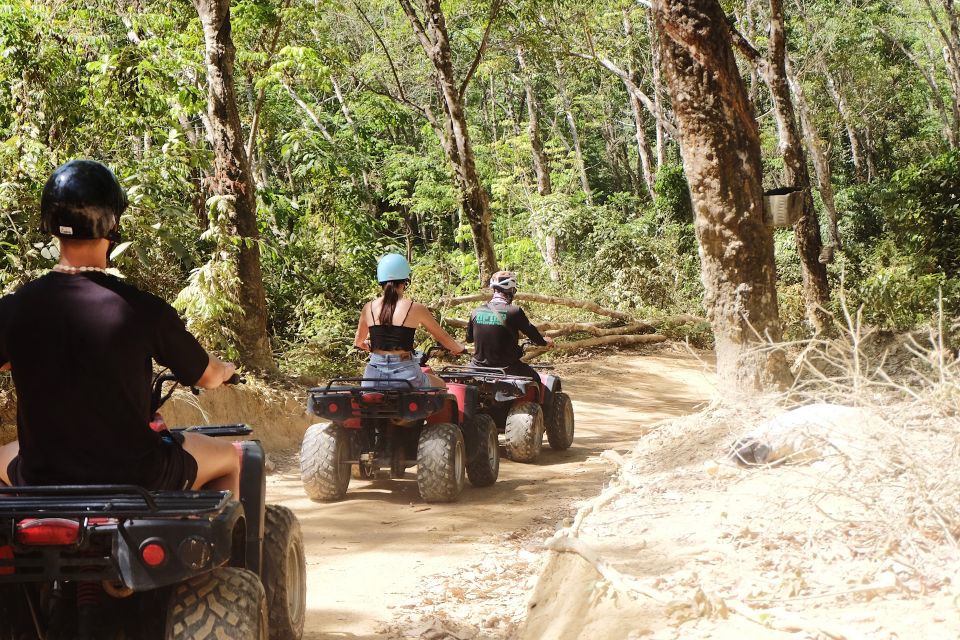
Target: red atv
{"points": [[118, 561], [380, 426], [521, 410]]}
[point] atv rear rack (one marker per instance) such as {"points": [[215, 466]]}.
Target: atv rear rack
{"points": [[113, 501], [487, 373], [338, 401]]}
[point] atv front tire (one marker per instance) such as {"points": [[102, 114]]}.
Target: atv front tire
{"points": [[523, 436], [440, 462], [224, 603], [284, 573], [484, 465], [560, 426], [323, 469]]}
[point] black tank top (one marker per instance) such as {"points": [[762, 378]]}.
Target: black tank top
{"points": [[388, 337]]}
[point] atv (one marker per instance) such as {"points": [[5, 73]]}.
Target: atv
{"points": [[122, 562], [521, 409], [376, 425]]}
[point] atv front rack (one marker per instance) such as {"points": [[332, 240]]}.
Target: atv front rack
{"points": [[112, 501]]}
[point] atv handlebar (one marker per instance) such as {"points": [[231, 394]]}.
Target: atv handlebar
{"points": [[158, 398]]}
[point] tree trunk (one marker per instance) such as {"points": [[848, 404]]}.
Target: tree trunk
{"points": [[816, 289], [853, 136], [541, 164], [821, 164], [720, 145], [655, 63], [643, 147], [231, 178], [574, 135], [459, 150]]}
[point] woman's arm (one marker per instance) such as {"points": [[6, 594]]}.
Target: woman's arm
{"points": [[424, 317], [363, 330]]}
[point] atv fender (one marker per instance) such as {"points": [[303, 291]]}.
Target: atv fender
{"points": [[253, 494], [462, 406]]}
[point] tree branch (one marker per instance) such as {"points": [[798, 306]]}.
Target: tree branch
{"points": [[495, 7], [386, 52], [418, 28]]}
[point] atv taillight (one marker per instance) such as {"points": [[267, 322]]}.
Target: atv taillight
{"points": [[153, 554], [372, 398], [6, 553], [333, 407], [48, 532], [413, 406]]}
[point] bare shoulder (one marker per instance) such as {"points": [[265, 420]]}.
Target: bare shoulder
{"points": [[419, 311]]}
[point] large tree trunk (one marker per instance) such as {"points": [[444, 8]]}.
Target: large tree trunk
{"points": [[435, 41], [231, 178], [574, 134], [720, 145], [541, 164], [816, 289]]}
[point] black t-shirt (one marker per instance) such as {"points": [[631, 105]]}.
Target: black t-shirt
{"points": [[80, 347], [495, 328]]}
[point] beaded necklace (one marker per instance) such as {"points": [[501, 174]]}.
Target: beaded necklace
{"points": [[62, 268]]}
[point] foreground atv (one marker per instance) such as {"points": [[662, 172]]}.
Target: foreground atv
{"points": [[80, 562], [373, 428], [521, 410]]}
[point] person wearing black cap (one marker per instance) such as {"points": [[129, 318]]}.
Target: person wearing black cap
{"points": [[80, 344]]}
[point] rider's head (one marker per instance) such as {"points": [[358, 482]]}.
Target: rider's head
{"points": [[393, 274], [504, 282], [82, 200]]}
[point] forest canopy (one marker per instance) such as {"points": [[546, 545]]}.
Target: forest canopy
{"points": [[467, 135]]}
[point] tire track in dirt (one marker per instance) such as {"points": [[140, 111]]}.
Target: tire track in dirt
{"points": [[368, 555]]}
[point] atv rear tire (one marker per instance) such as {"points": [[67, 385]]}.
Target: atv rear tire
{"points": [[224, 603], [440, 462], [484, 465], [560, 426], [284, 573], [324, 473], [523, 436]]}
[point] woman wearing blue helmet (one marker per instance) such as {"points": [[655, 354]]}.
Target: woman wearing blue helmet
{"points": [[390, 323]]}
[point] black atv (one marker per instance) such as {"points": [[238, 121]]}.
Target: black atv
{"points": [[521, 410], [121, 562], [380, 426]]}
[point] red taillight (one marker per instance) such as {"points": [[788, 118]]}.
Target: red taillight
{"points": [[333, 407], [153, 554], [372, 398], [48, 532], [6, 553], [413, 406]]}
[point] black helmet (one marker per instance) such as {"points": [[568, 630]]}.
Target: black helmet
{"points": [[82, 200]]}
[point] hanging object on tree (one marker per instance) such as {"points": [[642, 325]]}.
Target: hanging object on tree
{"points": [[782, 207]]}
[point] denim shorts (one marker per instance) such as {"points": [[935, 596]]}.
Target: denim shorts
{"points": [[388, 371]]}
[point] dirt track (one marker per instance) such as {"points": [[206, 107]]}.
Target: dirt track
{"points": [[370, 554]]}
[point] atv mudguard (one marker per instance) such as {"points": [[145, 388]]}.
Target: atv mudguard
{"points": [[460, 408], [253, 494]]}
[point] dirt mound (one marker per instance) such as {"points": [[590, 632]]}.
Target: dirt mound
{"points": [[679, 546], [278, 417]]}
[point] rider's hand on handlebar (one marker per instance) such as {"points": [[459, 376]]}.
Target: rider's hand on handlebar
{"points": [[549, 342], [229, 371]]}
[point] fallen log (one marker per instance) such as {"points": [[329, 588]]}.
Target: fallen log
{"points": [[587, 305], [619, 340], [562, 329], [554, 329]]}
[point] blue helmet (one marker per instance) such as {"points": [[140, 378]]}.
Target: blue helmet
{"points": [[392, 267]]}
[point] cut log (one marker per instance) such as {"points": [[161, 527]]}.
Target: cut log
{"points": [[619, 340], [587, 305]]}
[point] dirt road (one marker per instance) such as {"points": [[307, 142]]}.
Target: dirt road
{"points": [[368, 555]]}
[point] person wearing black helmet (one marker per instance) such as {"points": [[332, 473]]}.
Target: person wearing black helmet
{"points": [[80, 344], [495, 329]]}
